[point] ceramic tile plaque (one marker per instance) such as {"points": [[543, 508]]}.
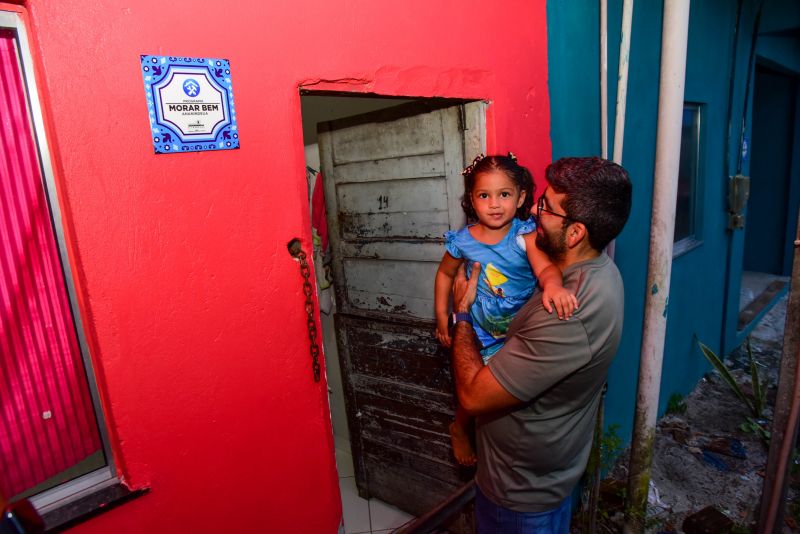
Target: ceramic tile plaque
{"points": [[189, 103]]}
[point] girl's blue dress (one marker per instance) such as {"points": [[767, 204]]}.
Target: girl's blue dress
{"points": [[507, 281]]}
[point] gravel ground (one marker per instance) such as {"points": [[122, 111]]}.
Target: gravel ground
{"points": [[702, 455]]}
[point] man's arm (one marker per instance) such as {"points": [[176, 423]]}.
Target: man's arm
{"points": [[477, 389]]}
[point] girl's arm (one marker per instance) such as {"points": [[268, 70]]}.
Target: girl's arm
{"points": [[551, 280], [441, 295]]}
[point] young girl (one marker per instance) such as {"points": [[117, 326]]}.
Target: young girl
{"points": [[498, 196]]}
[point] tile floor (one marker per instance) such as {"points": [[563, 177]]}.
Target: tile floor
{"points": [[361, 515]]}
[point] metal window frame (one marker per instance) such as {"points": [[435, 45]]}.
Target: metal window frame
{"points": [[694, 239], [105, 476]]}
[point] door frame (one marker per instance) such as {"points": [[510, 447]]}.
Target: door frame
{"points": [[472, 118]]}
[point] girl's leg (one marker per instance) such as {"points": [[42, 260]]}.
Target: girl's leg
{"points": [[459, 438]]}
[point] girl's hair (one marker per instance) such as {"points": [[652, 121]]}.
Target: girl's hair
{"points": [[507, 164]]}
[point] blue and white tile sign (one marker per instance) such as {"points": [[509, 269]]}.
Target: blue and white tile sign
{"points": [[190, 104]]}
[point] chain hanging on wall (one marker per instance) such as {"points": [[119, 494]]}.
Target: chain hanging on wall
{"points": [[305, 271]]}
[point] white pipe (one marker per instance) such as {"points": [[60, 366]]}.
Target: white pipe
{"points": [[604, 79], [622, 80], [675, 33], [622, 86]]}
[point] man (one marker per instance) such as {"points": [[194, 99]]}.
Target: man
{"points": [[537, 398]]}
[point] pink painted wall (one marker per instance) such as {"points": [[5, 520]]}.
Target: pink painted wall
{"points": [[192, 304]]}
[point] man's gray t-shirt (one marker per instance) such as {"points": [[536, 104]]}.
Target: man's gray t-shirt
{"points": [[531, 457]]}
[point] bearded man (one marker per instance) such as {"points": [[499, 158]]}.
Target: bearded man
{"points": [[536, 400]]}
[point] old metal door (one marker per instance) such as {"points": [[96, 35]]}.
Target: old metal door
{"points": [[393, 186]]}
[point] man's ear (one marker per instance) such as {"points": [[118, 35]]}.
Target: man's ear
{"points": [[576, 233]]}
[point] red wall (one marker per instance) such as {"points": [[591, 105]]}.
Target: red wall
{"points": [[192, 305]]}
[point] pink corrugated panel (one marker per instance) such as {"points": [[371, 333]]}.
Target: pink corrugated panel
{"points": [[47, 421]]}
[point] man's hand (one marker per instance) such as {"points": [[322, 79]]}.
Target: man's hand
{"points": [[464, 290], [477, 389]]}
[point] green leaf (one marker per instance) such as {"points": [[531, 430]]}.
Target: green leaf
{"points": [[758, 395], [764, 385], [726, 375]]}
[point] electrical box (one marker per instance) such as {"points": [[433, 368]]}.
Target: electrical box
{"points": [[738, 193]]}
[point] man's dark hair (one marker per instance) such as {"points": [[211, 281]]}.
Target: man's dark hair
{"points": [[598, 194]]}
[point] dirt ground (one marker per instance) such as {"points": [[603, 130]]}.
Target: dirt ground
{"points": [[702, 455]]}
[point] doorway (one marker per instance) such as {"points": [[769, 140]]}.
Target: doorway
{"points": [[318, 109], [391, 178], [774, 193]]}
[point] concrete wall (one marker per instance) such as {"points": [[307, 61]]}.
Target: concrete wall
{"points": [[192, 305]]}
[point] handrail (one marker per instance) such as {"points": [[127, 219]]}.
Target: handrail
{"points": [[442, 512]]}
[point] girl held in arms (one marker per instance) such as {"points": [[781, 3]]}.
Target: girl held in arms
{"points": [[501, 236]]}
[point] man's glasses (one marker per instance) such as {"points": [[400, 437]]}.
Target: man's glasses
{"points": [[540, 208]]}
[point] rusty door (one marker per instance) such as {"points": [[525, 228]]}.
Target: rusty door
{"points": [[393, 187]]}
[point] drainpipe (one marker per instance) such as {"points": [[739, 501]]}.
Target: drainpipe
{"points": [[727, 312], [675, 33], [594, 492], [622, 86], [604, 78], [622, 80]]}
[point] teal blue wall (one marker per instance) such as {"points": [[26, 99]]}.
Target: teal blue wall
{"points": [[703, 276], [793, 210], [780, 51], [780, 19], [573, 34]]}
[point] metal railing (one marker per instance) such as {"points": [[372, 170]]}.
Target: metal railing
{"points": [[433, 520]]}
